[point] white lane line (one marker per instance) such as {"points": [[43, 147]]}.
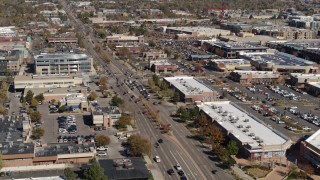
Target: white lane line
{"points": [[186, 165]]}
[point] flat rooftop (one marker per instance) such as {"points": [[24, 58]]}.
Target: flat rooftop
{"points": [[278, 58], [63, 148], [188, 85], [244, 127], [255, 38], [305, 76], [314, 84], [231, 61], [258, 74], [314, 140], [198, 29], [8, 148], [128, 168], [44, 77], [10, 129], [238, 45]]}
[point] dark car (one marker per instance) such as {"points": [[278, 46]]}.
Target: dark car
{"points": [[170, 171], [183, 178], [160, 140], [181, 173]]}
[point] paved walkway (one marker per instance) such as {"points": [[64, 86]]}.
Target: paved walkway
{"points": [[154, 169]]}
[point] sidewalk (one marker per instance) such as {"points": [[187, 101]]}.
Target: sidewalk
{"points": [[241, 174], [154, 169], [277, 173]]}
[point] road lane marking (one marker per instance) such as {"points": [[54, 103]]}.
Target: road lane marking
{"points": [[186, 165]]}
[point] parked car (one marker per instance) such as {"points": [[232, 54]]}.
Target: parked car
{"points": [[102, 153], [170, 171], [102, 148], [178, 167]]}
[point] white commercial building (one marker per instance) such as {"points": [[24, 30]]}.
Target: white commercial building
{"points": [[310, 149], [258, 141], [191, 89], [197, 31]]}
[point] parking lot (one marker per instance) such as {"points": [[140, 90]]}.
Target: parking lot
{"points": [[299, 109]]}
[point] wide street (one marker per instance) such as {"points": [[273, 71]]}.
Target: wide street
{"points": [[177, 148]]}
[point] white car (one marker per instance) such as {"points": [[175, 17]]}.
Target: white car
{"points": [[102, 153], [178, 167], [157, 159], [102, 148]]}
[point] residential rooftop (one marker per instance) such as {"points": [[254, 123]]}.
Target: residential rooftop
{"points": [[188, 85], [246, 128]]}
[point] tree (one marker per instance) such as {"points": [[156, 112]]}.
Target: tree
{"points": [[34, 102], [183, 113], [62, 109], [35, 116], [92, 96], [193, 113], [139, 145], [103, 83], [69, 174], [37, 133], [176, 97], [39, 97], [123, 122], [94, 172], [1, 162], [232, 148], [124, 52], [29, 96], [116, 101], [102, 140], [164, 86], [251, 16], [152, 43]]}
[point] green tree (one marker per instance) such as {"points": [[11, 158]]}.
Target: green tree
{"points": [[69, 174], [168, 51], [123, 122], [176, 97], [139, 145], [94, 172], [101, 33], [116, 101], [62, 109], [232, 148], [156, 79], [152, 43], [29, 96], [164, 86], [39, 97], [35, 116], [183, 113], [102, 140], [92, 96], [193, 113], [37, 133], [34, 102]]}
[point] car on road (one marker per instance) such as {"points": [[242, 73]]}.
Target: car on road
{"points": [[170, 171], [181, 173], [102, 153], [178, 167], [160, 140], [102, 148], [157, 159], [183, 178]]}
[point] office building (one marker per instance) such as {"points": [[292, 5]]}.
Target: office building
{"points": [[299, 80], [255, 77], [191, 89], [10, 61], [280, 62], [255, 139], [309, 149], [231, 50], [225, 65], [162, 66], [62, 63], [105, 116], [22, 82], [124, 39], [313, 88], [197, 31]]}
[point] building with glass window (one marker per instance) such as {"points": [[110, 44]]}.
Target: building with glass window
{"points": [[62, 63]]}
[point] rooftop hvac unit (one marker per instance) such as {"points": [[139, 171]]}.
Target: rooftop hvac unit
{"points": [[245, 130], [214, 107], [246, 120], [240, 126], [248, 126], [251, 134]]}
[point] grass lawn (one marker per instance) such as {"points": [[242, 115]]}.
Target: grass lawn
{"points": [[257, 172]]}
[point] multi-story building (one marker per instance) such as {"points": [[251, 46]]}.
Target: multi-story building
{"points": [[62, 63], [162, 66], [154, 54], [232, 50], [105, 116], [225, 65], [255, 139], [191, 89], [255, 77], [299, 80], [121, 39], [10, 61], [279, 61], [309, 149], [65, 38], [46, 81], [313, 88]]}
